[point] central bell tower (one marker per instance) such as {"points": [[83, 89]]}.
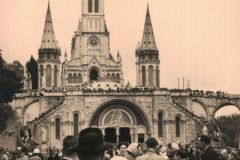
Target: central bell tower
{"points": [[91, 59]]}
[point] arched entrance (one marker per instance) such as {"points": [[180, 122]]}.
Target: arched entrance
{"points": [[94, 75], [119, 120]]}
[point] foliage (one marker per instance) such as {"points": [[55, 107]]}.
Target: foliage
{"points": [[6, 112], [9, 85], [230, 128], [1, 62], [32, 68]]}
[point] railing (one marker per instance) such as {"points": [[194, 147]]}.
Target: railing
{"points": [[189, 113]]}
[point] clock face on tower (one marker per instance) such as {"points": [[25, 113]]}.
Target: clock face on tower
{"points": [[93, 41]]}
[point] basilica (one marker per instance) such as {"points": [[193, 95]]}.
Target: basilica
{"points": [[88, 90]]}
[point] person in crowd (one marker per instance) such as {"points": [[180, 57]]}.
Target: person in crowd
{"points": [[132, 151], [91, 145], [68, 142], [122, 149], [172, 147], [208, 152], [23, 154], [118, 158], [36, 153], [4, 157], [180, 155], [151, 154]]}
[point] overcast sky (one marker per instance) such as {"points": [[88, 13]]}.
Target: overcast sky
{"points": [[197, 39]]}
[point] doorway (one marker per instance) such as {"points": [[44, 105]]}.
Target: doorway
{"points": [[110, 135], [124, 135]]}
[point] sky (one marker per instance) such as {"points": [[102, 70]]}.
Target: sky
{"points": [[198, 40]]}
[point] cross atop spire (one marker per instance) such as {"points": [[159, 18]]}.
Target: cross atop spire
{"points": [[48, 38], [148, 40]]}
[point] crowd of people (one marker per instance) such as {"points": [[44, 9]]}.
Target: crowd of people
{"points": [[90, 145]]}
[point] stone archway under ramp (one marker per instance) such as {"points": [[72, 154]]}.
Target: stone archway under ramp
{"points": [[221, 105], [121, 115]]}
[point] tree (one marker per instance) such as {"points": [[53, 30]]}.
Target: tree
{"points": [[230, 128], [32, 68], [1, 61], [9, 85]]}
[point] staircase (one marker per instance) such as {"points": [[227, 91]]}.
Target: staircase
{"points": [[180, 105], [30, 125]]}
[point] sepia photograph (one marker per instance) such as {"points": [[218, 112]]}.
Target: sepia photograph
{"points": [[119, 80]]}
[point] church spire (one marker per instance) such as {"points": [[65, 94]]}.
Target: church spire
{"points": [[148, 40], [48, 38]]}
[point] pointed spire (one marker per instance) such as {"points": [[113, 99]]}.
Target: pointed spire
{"points": [[48, 16], [148, 40], [48, 38], [65, 56], [119, 58]]}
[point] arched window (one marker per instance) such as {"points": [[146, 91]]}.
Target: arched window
{"points": [[157, 77], [75, 123], [41, 71], [143, 76], [55, 75], [96, 6], [90, 6], [57, 128], [74, 78], [118, 78], [150, 76], [70, 78], [79, 78], [108, 77], [160, 124], [94, 75], [178, 126], [48, 76], [41, 75], [113, 77]]}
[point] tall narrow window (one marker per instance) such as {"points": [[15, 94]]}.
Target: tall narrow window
{"points": [[48, 76], [157, 77], [41, 75], [55, 75], [143, 76], [41, 71], [118, 80], [108, 77], [160, 124], [75, 123], [70, 78], [178, 126], [96, 6], [90, 6], [79, 78], [57, 128], [74, 78], [113, 78], [150, 76]]}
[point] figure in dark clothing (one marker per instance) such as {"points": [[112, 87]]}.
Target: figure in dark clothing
{"points": [[208, 152]]}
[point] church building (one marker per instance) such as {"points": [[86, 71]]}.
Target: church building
{"points": [[88, 90]]}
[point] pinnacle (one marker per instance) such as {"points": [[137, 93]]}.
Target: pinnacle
{"points": [[48, 38], [148, 40]]}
